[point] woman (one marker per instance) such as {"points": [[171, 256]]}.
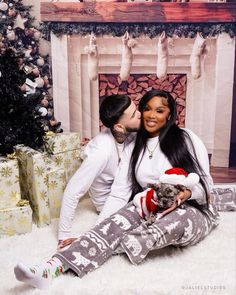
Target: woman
{"points": [[160, 145]]}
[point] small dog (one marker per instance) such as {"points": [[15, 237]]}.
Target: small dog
{"points": [[165, 197]]}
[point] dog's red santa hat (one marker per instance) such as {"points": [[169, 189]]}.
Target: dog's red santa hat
{"points": [[179, 176]]}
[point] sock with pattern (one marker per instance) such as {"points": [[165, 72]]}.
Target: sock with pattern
{"points": [[39, 276]]}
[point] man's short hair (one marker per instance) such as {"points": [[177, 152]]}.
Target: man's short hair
{"points": [[112, 108]]}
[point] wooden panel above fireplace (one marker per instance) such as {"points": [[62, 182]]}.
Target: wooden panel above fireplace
{"points": [[146, 12]]}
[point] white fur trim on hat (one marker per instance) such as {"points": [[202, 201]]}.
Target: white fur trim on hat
{"points": [[187, 181]]}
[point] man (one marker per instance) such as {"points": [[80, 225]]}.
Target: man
{"points": [[101, 158]]}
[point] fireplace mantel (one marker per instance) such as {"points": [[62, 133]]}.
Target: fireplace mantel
{"points": [[145, 12]]}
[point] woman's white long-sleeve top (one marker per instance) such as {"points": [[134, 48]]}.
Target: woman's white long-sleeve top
{"points": [[149, 170]]}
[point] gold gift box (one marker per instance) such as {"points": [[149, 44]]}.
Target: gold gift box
{"points": [[9, 183], [44, 175], [64, 149], [62, 142], [16, 220]]}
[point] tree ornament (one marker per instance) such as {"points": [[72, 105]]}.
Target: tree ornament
{"points": [[3, 6], [127, 56], [30, 86], [20, 22], [21, 63], [35, 71], [12, 12], [40, 61], [46, 80], [1, 41], [92, 52], [27, 69], [36, 35], [10, 34], [29, 32], [28, 51], [43, 111], [39, 81], [162, 56], [195, 58], [44, 47], [44, 102]]}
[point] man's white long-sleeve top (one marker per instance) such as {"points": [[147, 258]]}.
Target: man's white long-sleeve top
{"points": [[95, 175]]}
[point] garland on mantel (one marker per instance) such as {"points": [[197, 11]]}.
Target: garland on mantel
{"points": [[186, 30]]}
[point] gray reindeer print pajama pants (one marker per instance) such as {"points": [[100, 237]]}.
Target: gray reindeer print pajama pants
{"points": [[184, 226]]}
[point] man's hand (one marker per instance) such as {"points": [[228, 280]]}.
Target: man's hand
{"points": [[63, 243], [180, 199]]}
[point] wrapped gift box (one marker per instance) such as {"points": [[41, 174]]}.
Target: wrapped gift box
{"points": [[43, 175], [9, 183], [62, 142], [56, 186], [16, 220], [41, 182], [224, 197], [65, 151], [69, 161]]}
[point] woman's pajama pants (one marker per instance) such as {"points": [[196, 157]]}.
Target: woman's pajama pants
{"points": [[184, 226]]}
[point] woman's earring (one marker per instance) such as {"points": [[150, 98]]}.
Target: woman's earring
{"points": [[168, 118]]}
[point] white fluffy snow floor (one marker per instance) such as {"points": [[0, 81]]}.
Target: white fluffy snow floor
{"points": [[207, 268]]}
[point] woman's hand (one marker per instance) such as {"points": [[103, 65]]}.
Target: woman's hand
{"points": [[63, 243], [180, 199]]}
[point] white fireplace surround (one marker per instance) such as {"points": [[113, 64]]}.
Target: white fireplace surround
{"points": [[208, 99]]}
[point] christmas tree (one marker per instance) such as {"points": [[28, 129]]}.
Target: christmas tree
{"points": [[20, 122], [18, 32]]}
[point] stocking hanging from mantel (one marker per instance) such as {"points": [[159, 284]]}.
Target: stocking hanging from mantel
{"points": [[127, 56], [92, 52], [162, 56], [196, 55]]}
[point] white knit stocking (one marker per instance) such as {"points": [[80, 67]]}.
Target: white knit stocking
{"points": [[195, 58], [127, 56], [92, 58], [162, 56]]}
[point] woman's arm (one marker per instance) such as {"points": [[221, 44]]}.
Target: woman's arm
{"points": [[198, 192]]}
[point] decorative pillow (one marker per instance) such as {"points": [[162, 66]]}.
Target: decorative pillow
{"points": [[224, 196]]}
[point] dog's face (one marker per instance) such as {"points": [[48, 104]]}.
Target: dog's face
{"points": [[166, 194]]}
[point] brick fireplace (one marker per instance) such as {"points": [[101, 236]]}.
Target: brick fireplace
{"points": [[138, 84]]}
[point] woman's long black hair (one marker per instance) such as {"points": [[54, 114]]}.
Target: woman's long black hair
{"points": [[173, 143]]}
